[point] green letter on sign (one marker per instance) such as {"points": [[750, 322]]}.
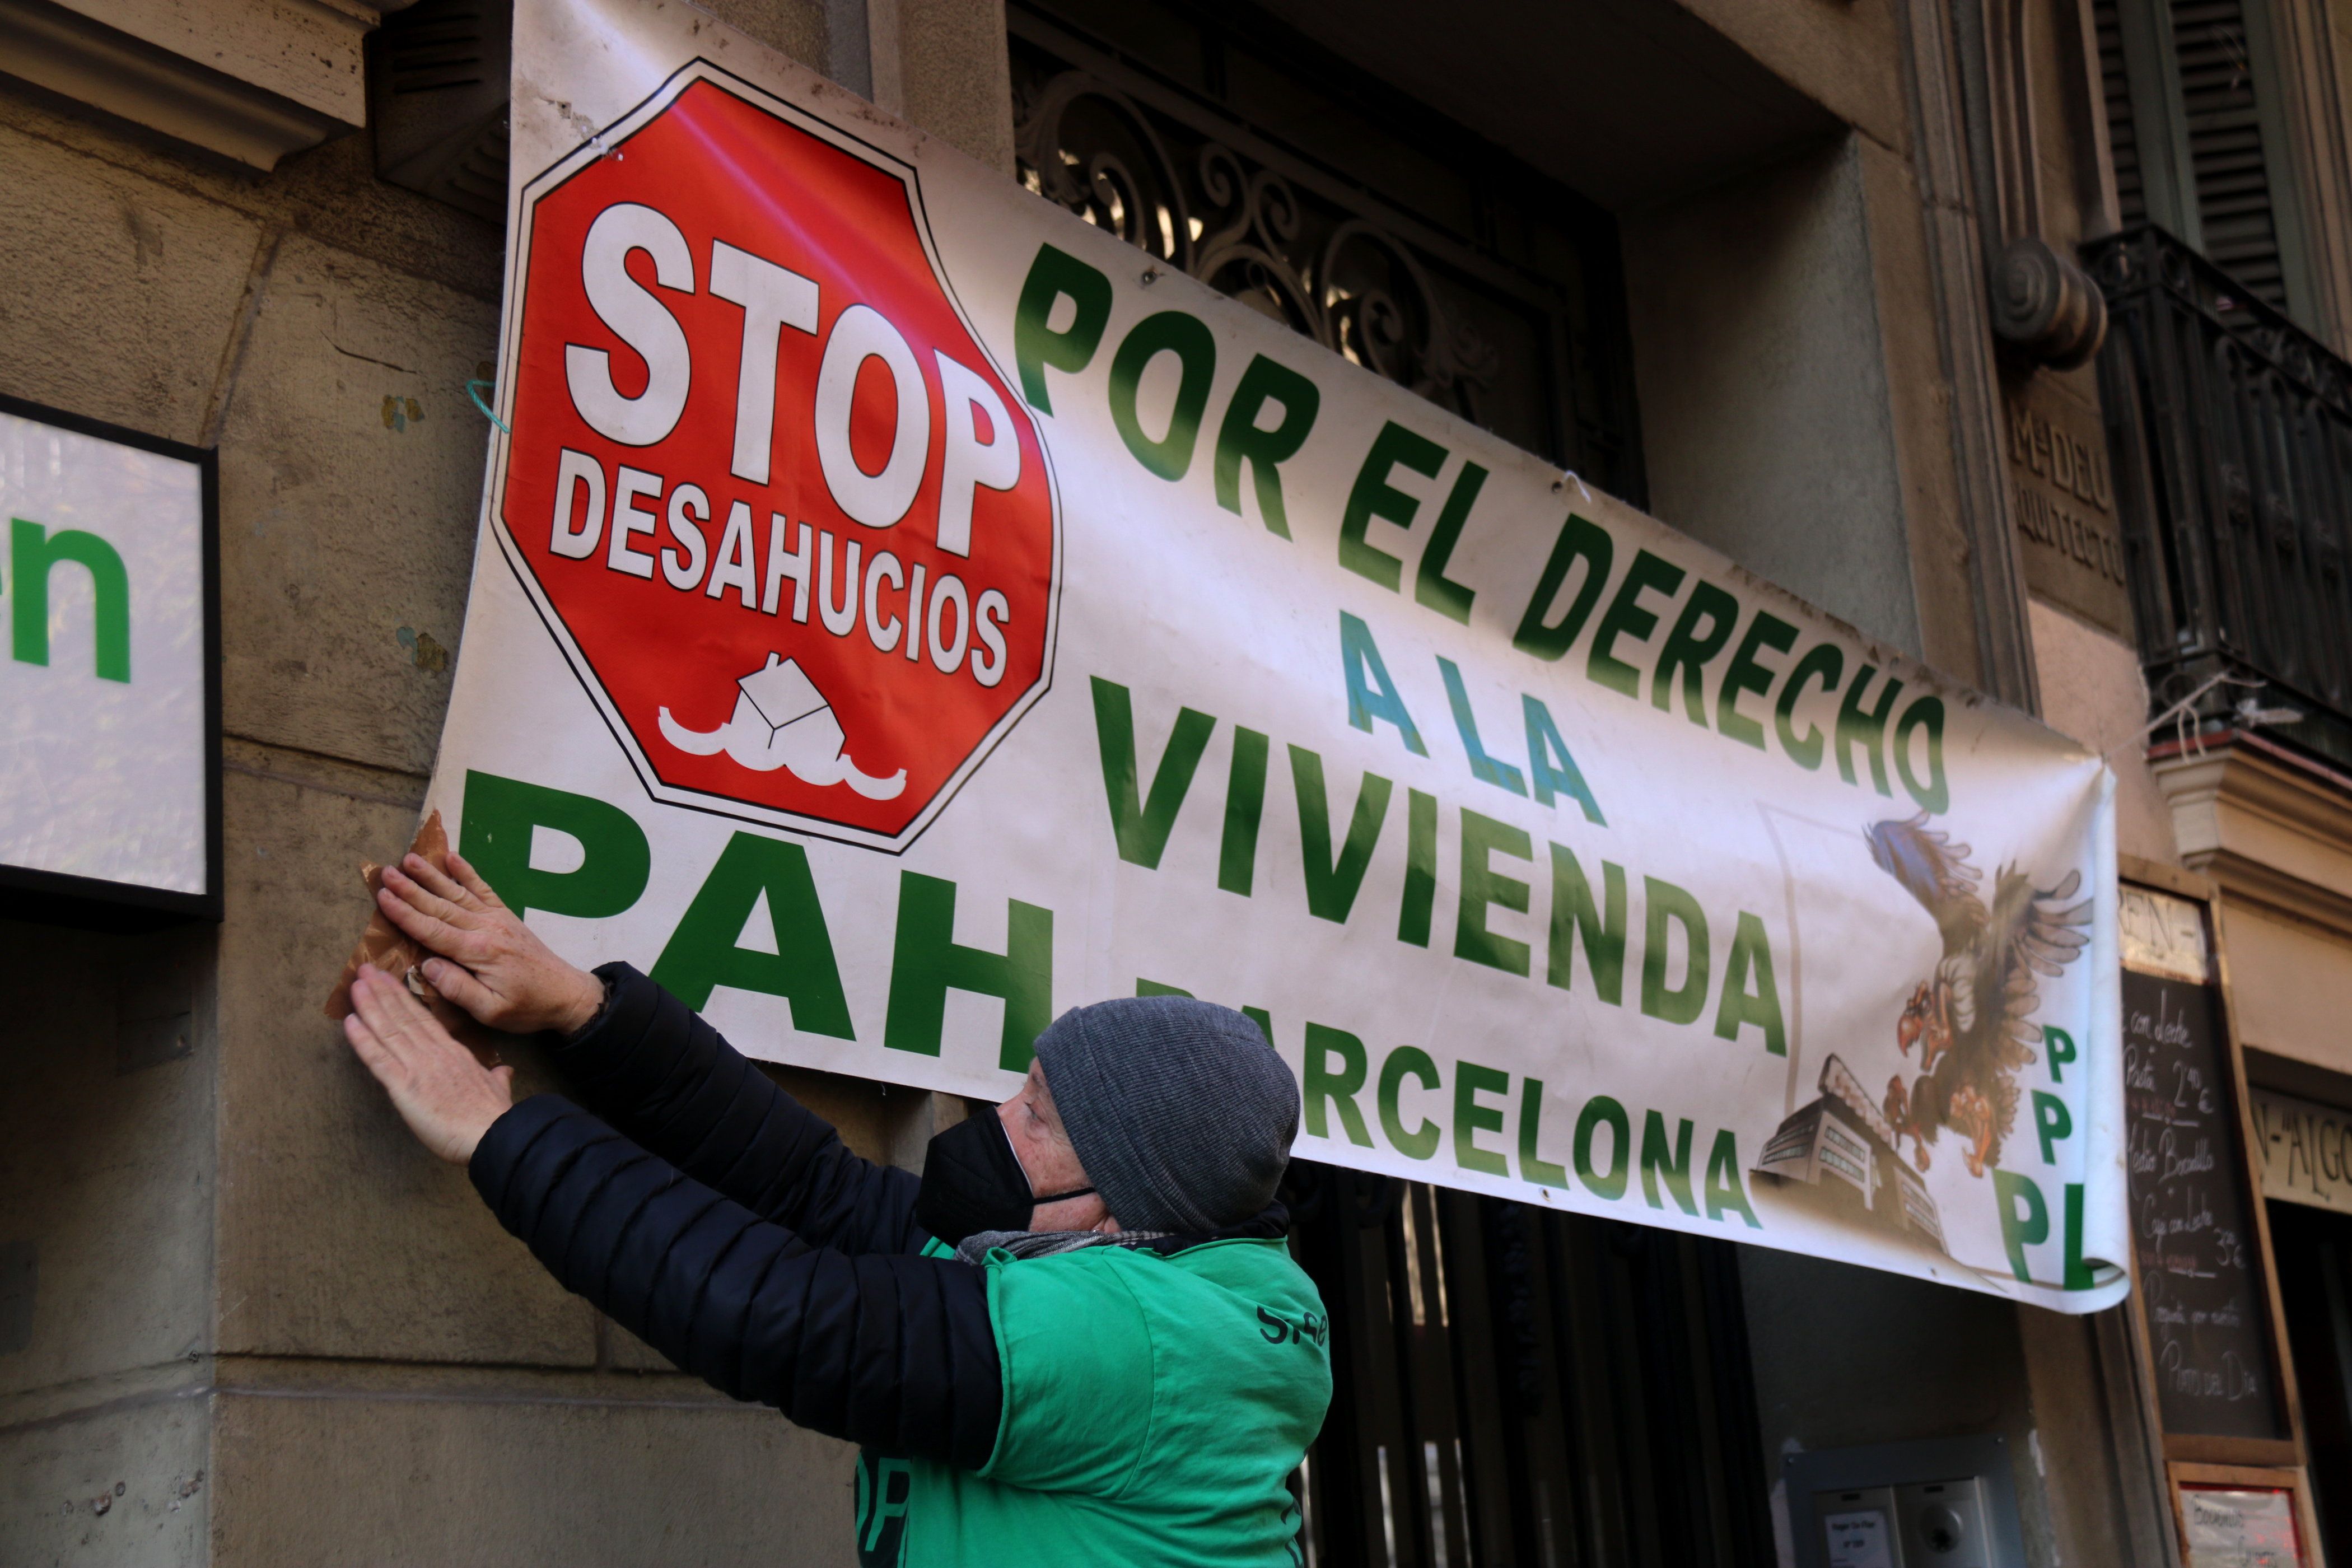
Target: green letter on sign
{"points": [[1608, 1185], [2024, 1219], [1543, 1173], [31, 552], [926, 963], [1407, 1061], [1372, 496], [1141, 824], [1672, 1162], [1242, 440], [1053, 277], [1751, 960], [1724, 1193], [495, 833], [1470, 1118], [1170, 332], [1481, 885], [1333, 880], [1685, 1003], [1324, 1087], [701, 955]]}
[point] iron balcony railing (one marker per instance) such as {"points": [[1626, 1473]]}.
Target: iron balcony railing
{"points": [[2230, 430]]}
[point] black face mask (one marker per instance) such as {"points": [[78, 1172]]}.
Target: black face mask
{"points": [[972, 1181]]}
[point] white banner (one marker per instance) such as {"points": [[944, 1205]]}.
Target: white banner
{"points": [[903, 612]]}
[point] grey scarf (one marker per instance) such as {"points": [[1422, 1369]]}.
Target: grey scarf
{"points": [[975, 1248]]}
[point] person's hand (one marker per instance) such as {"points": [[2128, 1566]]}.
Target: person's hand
{"points": [[447, 1099], [490, 963]]}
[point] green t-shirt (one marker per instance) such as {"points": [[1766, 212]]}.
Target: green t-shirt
{"points": [[1154, 1408]]}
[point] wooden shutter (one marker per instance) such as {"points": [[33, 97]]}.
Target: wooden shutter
{"points": [[2123, 135], [2223, 119]]}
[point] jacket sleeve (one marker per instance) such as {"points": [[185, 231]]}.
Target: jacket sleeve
{"points": [[652, 1068], [894, 1352]]}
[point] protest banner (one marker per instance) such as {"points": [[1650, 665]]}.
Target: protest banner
{"points": [[903, 610]]}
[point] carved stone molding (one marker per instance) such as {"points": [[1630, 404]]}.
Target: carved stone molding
{"points": [[2271, 828], [249, 79]]}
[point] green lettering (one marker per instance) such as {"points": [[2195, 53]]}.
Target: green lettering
{"points": [[1420, 900], [1627, 616], [1724, 1192], [1333, 881], [701, 955], [1372, 496], [1699, 634], [1323, 1087], [1935, 794], [2061, 1047], [1573, 915], [1141, 827], [1407, 1061], [1241, 440], [32, 554], [1432, 586], [1662, 903], [1673, 1164], [1745, 674], [1053, 277], [1609, 1185], [1580, 539], [1868, 730], [1825, 664], [1188, 339], [1470, 1118], [2052, 1123], [1245, 806], [2024, 1219], [501, 815], [1752, 959], [2078, 1275], [927, 963], [1481, 885], [1534, 1169]]}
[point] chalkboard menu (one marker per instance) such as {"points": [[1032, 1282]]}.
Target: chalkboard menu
{"points": [[2199, 1268]]}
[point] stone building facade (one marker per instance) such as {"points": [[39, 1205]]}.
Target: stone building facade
{"points": [[1815, 281]]}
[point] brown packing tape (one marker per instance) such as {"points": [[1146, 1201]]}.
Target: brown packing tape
{"points": [[393, 951]]}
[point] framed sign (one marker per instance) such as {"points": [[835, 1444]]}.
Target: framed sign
{"points": [[110, 685], [2220, 1384], [2235, 1518]]}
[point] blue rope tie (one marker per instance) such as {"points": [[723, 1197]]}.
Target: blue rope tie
{"points": [[474, 391]]}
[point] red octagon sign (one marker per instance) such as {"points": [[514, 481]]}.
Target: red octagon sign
{"points": [[792, 528]]}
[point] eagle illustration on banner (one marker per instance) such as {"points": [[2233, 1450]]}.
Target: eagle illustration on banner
{"points": [[1971, 1020]]}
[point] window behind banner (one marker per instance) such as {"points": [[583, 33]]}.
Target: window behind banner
{"points": [[1516, 1386], [1247, 156]]}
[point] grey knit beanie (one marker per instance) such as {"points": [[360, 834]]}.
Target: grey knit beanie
{"points": [[1179, 1111]]}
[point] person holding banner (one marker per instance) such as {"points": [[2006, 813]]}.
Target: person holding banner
{"points": [[1077, 1338]]}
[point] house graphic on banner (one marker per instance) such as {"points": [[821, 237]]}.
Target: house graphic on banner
{"points": [[1842, 1147]]}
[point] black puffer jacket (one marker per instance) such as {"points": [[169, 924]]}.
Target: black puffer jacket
{"points": [[720, 1221]]}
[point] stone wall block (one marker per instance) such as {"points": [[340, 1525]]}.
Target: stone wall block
{"points": [[351, 478], [427, 1479], [121, 1487], [117, 292], [340, 1235]]}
